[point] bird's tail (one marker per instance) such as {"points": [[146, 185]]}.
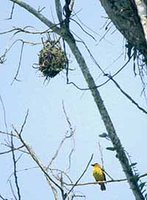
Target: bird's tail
{"points": [[103, 187]]}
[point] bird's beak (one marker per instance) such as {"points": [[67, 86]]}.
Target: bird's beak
{"points": [[92, 165]]}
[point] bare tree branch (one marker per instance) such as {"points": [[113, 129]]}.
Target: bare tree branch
{"points": [[126, 95], [7, 133], [58, 150], [24, 30], [59, 10], [108, 181], [106, 118], [19, 64], [37, 161], [12, 10], [9, 151], [4, 113], [15, 169], [2, 197], [69, 38], [80, 176], [38, 15], [12, 190]]}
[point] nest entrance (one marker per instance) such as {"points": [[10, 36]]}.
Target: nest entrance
{"points": [[52, 59]]}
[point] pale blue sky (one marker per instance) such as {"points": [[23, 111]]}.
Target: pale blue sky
{"points": [[46, 125]]}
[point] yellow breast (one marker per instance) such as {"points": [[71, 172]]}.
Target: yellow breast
{"points": [[98, 174]]}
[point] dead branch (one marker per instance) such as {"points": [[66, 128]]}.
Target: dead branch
{"points": [[60, 172], [14, 149], [101, 154], [12, 10], [80, 176], [126, 95], [15, 169], [4, 113], [19, 64], [33, 155], [108, 181], [59, 11], [7, 133], [12, 190], [2, 197], [17, 30], [71, 135], [69, 38], [68, 135], [57, 151], [38, 15]]}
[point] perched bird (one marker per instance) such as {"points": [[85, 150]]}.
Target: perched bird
{"points": [[99, 175]]}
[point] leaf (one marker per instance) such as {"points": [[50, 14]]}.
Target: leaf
{"points": [[104, 135], [141, 185], [133, 164], [110, 148]]}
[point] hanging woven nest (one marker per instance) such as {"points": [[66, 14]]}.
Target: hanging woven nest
{"points": [[52, 59]]}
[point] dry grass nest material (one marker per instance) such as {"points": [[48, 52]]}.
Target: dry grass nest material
{"points": [[52, 59]]}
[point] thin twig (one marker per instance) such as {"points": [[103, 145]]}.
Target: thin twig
{"points": [[23, 30], [80, 176], [71, 135], [68, 121], [108, 181], [12, 190], [102, 161], [12, 10], [9, 151], [59, 10], [38, 162], [67, 136], [38, 15], [126, 95], [6, 133], [101, 154], [24, 123], [4, 113], [70, 158], [19, 64], [84, 29], [105, 82], [61, 172], [15, 169], [35, 158], [57, 151], [2, 197]]}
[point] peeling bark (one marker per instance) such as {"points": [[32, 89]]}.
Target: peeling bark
{"points": [[142, 12], [124, 15]]}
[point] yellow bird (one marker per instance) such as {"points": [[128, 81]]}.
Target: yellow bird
{"points": [[99, 175]]}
